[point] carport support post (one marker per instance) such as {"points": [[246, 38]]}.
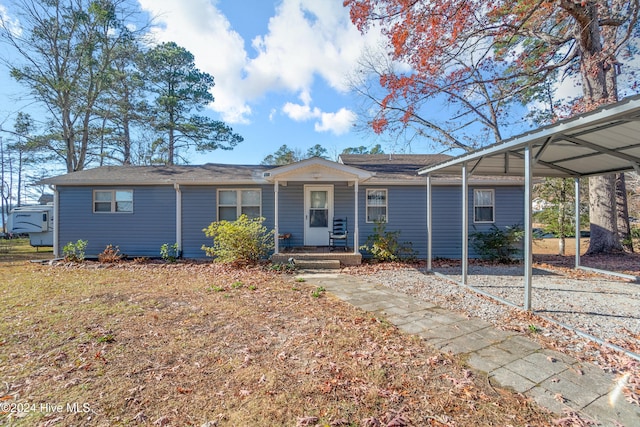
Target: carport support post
{"points": [[429, 223], [356, 223], [577, 219], [465, 223], [528, 246]]}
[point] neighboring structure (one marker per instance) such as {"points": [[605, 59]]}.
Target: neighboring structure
{"points": [[139, 208], [35, 220]]}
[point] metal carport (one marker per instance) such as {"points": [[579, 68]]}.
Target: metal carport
{"points": [[604, 141]]}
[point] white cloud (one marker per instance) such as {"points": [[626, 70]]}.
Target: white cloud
{"points": [[204, 31], [11, 24], [306, 39], [300, 113], [338, 123]]}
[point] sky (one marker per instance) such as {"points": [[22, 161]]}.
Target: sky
{"points": [[280, 70]]}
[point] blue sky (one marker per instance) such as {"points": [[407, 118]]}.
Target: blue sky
{"points": [[280, 69]]}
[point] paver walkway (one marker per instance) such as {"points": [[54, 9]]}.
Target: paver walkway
{"points": [[509, 359]]}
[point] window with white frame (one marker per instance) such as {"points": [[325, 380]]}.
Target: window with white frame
{"points": [[483, 206], [376, 205], [233, 203], [113, 201]]}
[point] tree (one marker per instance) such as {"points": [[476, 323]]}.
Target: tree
{"points": [[558, 219], [376, 149], [317, 151], [283, 156], [179, 88], [65, 50], [498, 53], [123, 106], [23, 146]]}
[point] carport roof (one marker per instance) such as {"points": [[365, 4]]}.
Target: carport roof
{"points": [[606, 140]]}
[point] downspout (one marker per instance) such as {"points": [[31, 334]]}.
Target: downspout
{"points": [[56, 221], [176, 186]]}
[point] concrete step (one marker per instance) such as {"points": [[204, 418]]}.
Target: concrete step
{"points": [[317, 264]]}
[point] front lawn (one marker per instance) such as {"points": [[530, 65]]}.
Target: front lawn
{"points": [[191, 344]]}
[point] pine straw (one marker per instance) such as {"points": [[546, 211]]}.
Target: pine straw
{"points": [[200, 344]]}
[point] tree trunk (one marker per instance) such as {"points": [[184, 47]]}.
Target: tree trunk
{"points": [[598, 72], [622, 213], [602, 212]]}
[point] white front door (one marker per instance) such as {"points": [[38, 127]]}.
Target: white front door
{"points": [[318, 214]]}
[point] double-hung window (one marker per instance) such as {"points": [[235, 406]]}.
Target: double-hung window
{"points": [[233, 203], [483, 206], [113, 201], [376, 205]]}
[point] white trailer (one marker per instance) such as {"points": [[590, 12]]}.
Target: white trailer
{"points": [[35, 220]]}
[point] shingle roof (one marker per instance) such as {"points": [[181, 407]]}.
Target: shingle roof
{"points": [[153, 175], [393, 167]]}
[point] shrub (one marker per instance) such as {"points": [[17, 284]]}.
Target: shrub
{"points": [[110, 254], [384, 245], [169, 253], [74, 252], [244, 241], [496, 244]]}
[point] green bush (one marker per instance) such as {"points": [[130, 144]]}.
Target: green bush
{"points": [[169, 253], [244, 241], [384, 245], [496, 244], [74, 252]]}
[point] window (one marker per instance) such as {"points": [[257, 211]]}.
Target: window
{"points": [[376, 205], [233, 203], [483, 206], [110, 201]]}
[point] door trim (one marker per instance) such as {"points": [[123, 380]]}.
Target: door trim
{"points": [[308, 238]]}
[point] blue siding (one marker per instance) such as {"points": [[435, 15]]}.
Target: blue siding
{"points": [[447, 204], [199, 209], [152, 222], [140, 233], [406, 212]]}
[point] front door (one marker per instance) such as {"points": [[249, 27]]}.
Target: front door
{"points": [[318, 214]]}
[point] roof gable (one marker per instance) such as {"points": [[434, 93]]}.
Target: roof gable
{"points": [[317, 169]]}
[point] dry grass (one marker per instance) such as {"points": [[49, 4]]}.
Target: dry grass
{"points": [[189, 344]]}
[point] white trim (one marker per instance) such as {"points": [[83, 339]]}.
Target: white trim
{"points": [[178, 217], [492, 206], [330, 207], [113, 201], [465, 223], [276, 220], [356, 225], [56, 222], [367, 206], [238, 204], [332, 169]]}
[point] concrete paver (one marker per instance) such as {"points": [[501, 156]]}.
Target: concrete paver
{"points": [[554, 380]]}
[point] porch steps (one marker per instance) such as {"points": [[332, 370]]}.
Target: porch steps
{"points": [[317, 264], [312, 261]]}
